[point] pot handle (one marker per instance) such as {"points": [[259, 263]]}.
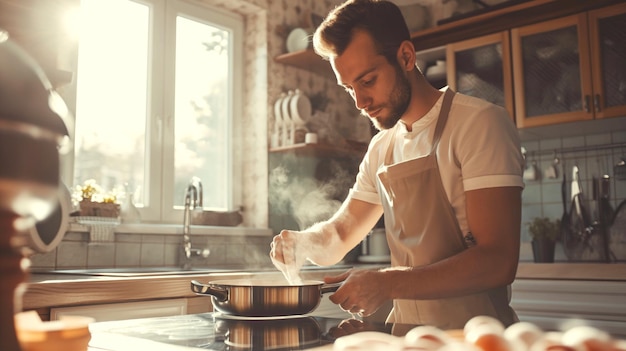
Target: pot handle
{"points": [[220, 294], [326, 288]]}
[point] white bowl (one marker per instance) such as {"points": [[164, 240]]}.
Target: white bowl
{"points": [[298, 40]]}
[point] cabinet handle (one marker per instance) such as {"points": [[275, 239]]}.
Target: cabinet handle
{"points": [[586, 104], [596, 103]]}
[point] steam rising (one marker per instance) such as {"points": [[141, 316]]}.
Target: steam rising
{"points": [[307, 199]]}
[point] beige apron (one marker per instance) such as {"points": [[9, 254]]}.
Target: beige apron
{"points": [[422, 229]]}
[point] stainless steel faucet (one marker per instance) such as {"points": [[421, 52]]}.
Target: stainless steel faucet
{"points": [[193, 200]]}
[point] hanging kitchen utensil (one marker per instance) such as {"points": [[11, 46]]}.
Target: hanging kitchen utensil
{"points": [[605, 214], [531, 172], [617, 233], [619, 170], [582, 242], [552, 172], [565, 216]]}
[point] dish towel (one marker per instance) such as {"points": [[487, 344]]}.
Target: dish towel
{"points": [[101, 229]]}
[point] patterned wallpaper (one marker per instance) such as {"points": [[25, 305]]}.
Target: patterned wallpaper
{"points": [[267, 25]]}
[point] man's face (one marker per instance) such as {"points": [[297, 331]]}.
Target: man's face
{"points": [[381, 91]]}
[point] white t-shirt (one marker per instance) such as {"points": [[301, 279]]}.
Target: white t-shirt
{"points": [[479, 148]]}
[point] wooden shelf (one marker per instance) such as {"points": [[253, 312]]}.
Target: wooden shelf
{"points": [[307, 60], [352, 149]]}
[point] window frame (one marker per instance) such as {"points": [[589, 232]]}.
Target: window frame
{"points": [[159, 157]]}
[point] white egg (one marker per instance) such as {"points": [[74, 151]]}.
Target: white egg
{"points": [[483, 320], [525, 333], [587, 338], [618, 345], [488, 337], [368, 340], [459, 346], [552, 341], [426, 337]]}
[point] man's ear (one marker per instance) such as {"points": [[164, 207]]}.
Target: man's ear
{"points": [[406, 55]]}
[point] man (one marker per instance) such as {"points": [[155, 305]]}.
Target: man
{"points": [[445, 170]]}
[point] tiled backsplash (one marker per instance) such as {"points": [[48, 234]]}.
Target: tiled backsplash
{"points": [[542, 197], [154, 250]]}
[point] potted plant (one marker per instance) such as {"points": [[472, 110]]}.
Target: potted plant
{"points": [[544, 233]]}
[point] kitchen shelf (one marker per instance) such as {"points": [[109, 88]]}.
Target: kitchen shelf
{"points": [[352, 149], [501, 19], [308, 60]]}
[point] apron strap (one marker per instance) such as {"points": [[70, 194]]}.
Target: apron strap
{"points": [[448, 95]]}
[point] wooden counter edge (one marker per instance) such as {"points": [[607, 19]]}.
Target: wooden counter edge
{"points": [[572, 271], [68, 292]]}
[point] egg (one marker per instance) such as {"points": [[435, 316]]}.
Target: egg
{"points": [[426, 338], [483, 320], [618, 345], [552, 341], [488, 337], [525, 334], [368, 340], [456, 345], [587, 338]]}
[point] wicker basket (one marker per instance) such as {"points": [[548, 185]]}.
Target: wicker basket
{"points": [[99, 209]]}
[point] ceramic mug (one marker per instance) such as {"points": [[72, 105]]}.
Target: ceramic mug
{"points": [[310, 138]]}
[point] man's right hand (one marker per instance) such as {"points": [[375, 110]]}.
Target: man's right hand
{"points": [[288, 255]]}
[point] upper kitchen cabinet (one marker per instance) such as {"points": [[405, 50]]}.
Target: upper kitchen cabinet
{"points": [[481, 67], [571, 68], [608, 54]]}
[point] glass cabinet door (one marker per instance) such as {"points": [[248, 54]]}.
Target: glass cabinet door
{"points": [[481, 68], [551, 75], [608, 60]]}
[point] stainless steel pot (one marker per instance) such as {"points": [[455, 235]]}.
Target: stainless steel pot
{"points": [[263, 298]]}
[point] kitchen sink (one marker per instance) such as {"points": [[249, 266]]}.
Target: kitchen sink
{"points": [[159, 271]]}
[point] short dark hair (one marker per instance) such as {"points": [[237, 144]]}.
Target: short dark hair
{"points": [[381, 19]]}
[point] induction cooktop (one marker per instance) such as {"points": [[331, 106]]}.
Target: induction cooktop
{"points": [[217, 331]]}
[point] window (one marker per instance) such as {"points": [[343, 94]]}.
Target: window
{"points": [[156, 102]]}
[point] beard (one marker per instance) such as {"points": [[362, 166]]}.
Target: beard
{"points": [[398, 102]]}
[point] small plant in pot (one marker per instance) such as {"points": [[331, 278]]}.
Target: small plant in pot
{"points": [[544, 233]]}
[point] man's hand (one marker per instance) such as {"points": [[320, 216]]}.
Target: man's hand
{"points": [[288, 255], [362, 293]]}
